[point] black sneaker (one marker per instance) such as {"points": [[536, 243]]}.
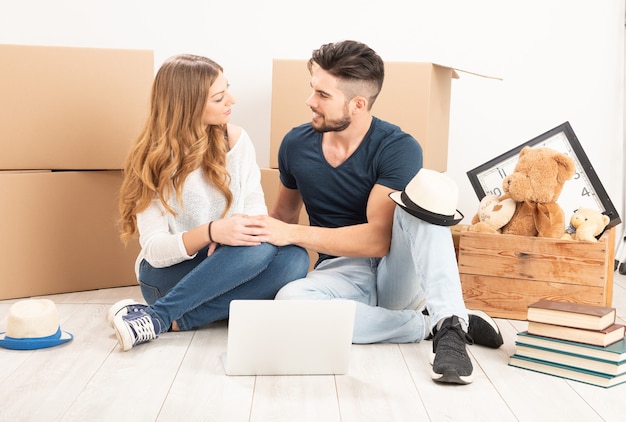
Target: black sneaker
{"points": [[483, 329], [451, 364]]}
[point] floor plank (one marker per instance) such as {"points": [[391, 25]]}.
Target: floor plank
{"points": [[446, 402], [131, 385], [378, 386], [48, 381], [201, 379], [295, 398], [180, 376]]}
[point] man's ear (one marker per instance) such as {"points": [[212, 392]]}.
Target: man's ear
{"points": [[359, 104]]}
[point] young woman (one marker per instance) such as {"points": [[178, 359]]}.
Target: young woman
{"points": [[190, 184]]}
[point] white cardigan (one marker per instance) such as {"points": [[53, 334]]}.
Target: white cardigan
{"points": [[161, 233]]}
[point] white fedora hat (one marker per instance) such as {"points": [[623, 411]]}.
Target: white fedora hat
{"points": [[430, 196], [33, 324]]}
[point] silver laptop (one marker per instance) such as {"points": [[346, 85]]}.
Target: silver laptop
{"points": [[289, 337]]}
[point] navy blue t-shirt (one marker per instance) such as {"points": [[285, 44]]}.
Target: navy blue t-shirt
{"points": [[337, 196]]}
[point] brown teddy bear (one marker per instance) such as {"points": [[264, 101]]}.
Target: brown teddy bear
{"points": [[535, 185], [586, 224], [493, 213]]}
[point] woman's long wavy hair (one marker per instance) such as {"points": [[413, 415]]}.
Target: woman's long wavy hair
{"points": [[174, 141]]}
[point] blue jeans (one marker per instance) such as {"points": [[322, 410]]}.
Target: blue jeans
{"points": [[197, 292], [419, 271]]}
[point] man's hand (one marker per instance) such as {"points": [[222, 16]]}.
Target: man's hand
{"points": [[277, 231]]}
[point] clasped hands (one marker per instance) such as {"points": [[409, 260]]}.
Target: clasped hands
{"points": [[245, 230]]}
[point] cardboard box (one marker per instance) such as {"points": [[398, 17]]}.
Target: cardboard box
{"points": [[270, 180], [415, 96], [60, 234], [71, 108], [503, 274]]}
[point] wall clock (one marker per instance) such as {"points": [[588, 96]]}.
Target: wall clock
{"points": [[583, 190]]}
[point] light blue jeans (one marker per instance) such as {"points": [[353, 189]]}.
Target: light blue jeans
{"points": [[197, 292], [419, 270]]}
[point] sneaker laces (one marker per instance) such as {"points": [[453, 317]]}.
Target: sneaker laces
{"points": [[455, 326], [143, 328]]}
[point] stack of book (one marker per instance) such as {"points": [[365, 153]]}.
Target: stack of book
{"points": [[574, 341]]}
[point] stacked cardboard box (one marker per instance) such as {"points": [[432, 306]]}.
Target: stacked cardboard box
{"points": [[69, 117]]}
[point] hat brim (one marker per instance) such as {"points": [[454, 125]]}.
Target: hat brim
{"points": [[425, 215], [34, 343]]}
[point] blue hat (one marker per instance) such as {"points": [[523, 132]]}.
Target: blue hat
{"points": [[33, 324]]}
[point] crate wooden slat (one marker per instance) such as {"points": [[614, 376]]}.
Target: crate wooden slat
{"points": [[503, 274]]}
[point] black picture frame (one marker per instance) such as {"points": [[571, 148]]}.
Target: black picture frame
{"points": [[585, 189]]}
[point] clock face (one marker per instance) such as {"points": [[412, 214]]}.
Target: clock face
{"points": [[583, 190]]}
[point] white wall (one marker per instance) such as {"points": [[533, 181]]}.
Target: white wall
{"points": [[560, 60]]}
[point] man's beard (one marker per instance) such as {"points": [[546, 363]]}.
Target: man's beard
{"points": [[336, 125]]}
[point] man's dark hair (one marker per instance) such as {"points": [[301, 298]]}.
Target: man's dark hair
{"points": [[351, 61]]}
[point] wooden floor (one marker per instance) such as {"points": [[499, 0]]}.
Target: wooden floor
{"points": [[180, 377]]}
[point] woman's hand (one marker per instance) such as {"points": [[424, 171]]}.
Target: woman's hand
{"points": [[238, 230]]}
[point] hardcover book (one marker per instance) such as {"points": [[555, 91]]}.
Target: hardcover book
{"points": [[611, 334], [615, 352], [587, 363], [563, 371], [577, 315]]}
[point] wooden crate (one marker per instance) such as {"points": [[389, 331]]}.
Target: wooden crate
{"points": [[456, 237], [503, 274]]}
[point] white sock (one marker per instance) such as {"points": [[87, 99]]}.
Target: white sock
{"points": [[427, 325]]}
